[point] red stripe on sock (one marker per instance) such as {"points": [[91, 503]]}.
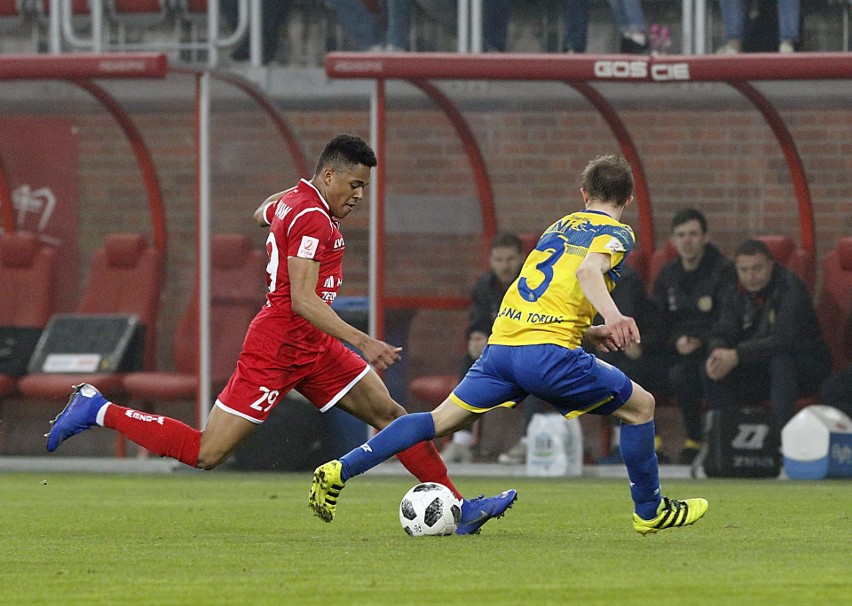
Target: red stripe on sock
{"points": [[161, 435], [425, 464]]}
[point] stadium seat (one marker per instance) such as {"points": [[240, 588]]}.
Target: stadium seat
{"points": [[798, 260], [27, 272], [138, 14], [429, 391], [658, 260], [834, 305], [528, 241], [237, 295], [125, 277], [12, 12]]}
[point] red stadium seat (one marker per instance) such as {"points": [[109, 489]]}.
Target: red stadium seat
{"points": [[528, 241], [834, 306], [429, 391], [27, 272], [237, 295], [141, 13], [658, 259], [11, 8], [798, 260], [125, 277]]}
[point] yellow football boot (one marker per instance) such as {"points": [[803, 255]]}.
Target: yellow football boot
{"points": [[325, 489], [671, 514]]}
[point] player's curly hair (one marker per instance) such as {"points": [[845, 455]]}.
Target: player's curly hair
{"points": [[608, 178], [344, 151]]}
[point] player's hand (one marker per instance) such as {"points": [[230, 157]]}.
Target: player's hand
{"points": [[600, 338], [625, 332], [379, 354]]}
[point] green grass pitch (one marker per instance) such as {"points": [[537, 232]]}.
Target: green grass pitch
{"points": [[228, 538]]}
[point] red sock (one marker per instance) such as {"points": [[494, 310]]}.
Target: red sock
{"points": [[425, 464], [161, 435]]}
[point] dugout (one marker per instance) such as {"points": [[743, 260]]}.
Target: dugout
{"points": [[698, 141]]}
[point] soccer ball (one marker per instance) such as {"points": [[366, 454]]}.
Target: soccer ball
{"points": [[429, 509]]}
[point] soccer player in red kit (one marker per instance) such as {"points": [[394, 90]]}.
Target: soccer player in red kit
{"points": [[294, 342]]}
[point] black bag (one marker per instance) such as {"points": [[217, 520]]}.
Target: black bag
{"points": [[293, 438], [742, 443]]}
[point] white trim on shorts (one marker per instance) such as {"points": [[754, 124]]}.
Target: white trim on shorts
{"points": [[237, 414], [346, 389]]}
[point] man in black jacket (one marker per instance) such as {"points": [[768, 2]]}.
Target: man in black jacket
{"points": [[687, 294], [767, 341]]}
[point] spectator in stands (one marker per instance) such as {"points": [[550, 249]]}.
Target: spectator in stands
{"points": [[273, 15], [575, 25], [734, 19], [767, 340], [687, 294], [505, 259], [495, 18], [362, 23], [637, 360], [630, 19]]}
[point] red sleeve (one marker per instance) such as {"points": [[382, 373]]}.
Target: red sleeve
{"points": [[269, 212], [308, 234]]}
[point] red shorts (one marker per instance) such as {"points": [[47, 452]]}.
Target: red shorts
{"points": [[268, 370]]}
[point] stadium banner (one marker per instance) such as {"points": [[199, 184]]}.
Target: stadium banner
{"points": [[41, 157]]}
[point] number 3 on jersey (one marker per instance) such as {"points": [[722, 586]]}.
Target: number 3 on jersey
{"points": [[556, 249]]}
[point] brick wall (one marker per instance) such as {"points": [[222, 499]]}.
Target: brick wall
{"points": [[716, 155]]}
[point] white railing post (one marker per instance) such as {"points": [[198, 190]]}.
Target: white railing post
{"points": [[55, 25], [204, 221], [476, 26], [255, 27], [463, 26], [686, 20]]}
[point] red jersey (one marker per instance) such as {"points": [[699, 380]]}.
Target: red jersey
{"points": [[301, 225]]}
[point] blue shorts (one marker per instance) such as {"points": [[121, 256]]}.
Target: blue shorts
{"points": [[573, 381]]}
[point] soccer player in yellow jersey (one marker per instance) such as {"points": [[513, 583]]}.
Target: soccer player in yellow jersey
{"points": [[536, 348]]}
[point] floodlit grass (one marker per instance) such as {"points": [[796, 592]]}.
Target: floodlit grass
{"points": [[226, 538]]}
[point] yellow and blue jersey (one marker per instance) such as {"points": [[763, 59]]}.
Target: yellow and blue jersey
{"points": [[545, 304]]}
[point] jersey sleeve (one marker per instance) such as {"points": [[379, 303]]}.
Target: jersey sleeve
{"points": [[308, 234], [269, 211], [616, 242]]}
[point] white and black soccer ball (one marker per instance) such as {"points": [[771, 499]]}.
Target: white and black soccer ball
{"points": [[429, 509]]}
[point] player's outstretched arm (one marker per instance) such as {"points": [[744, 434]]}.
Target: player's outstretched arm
{"points": [[624, 330], [304, 274]]}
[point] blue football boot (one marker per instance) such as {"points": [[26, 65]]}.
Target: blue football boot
{"points": [[79, 414], [475, 512]]}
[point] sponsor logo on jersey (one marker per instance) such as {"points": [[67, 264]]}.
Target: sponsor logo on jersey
{"points": [[308, 247], [338, 244], [329, 282], [615, 245]]}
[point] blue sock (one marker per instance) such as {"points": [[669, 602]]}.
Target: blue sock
{"points": [[404, 432], [637, 450]]}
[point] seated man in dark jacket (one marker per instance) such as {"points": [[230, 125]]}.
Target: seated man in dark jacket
{"points": [[687, 294], [767, 340]]}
